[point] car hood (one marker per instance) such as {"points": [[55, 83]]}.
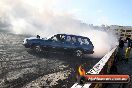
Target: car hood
{"points": [[30, 38]]}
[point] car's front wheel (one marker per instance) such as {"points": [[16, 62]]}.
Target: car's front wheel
{"points": [[79, 53], [37, 48]]}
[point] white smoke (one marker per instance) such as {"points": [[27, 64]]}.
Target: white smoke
{"points": [[37, 17], [103, 41]]}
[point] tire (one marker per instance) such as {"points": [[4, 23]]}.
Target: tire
{"points": [[37, 48], [79, 53]]}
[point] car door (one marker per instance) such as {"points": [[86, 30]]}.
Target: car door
{"points": [[76, 43], [54, 44], [68, 45]]}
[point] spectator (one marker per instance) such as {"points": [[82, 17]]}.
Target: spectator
{"points": [[128, 42], [128, 49], [121, 43], [120, 50]]}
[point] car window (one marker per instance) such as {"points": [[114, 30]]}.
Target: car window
{"points": [[63, 37], [54, 38], [83, 41], [74, 39], [86, 41], [68, 39], [80, 41]]}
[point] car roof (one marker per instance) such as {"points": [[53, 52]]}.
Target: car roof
{"points": [[73, 35]]}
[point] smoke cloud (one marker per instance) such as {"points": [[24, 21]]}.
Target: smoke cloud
{"points": [[37, 17]]}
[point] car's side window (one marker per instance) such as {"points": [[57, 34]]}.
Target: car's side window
{"points": [[68, 39], [74, 39], [83, 41], [80, 41], [86, 41]]}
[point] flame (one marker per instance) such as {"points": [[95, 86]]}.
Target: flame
{"points": [[81, 71]]}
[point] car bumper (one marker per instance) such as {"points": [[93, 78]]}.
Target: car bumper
{"points": [[26, 45]]}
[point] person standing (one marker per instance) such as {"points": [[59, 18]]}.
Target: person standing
{"points": [[120, 50], [128, 49]]}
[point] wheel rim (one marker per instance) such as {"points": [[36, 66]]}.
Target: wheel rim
{"points": [[38, 49], [78, 53]]}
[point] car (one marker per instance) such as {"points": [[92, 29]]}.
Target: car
{"points": [[67, 43]]}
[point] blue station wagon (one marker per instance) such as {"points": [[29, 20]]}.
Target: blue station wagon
{"points": [[77, 45]]}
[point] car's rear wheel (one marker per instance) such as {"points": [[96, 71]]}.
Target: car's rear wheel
{"points": [[37, 48], [79, 53]]}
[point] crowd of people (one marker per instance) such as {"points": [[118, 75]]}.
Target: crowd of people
{"points": [[124, 49]]}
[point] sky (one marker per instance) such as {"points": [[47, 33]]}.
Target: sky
{"points": [[49, 17], [98, 12]]}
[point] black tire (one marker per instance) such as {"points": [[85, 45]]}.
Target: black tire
{"points": [[37, 48], [79, 53]]}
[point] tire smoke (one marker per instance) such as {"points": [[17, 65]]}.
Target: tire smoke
{"points": [[37, 17]]}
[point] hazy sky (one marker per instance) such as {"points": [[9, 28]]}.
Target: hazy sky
{"points": [[99, 12]]}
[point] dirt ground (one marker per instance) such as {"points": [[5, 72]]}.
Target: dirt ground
{"points": [[22, 68]]}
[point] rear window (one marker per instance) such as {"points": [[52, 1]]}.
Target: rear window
{"points": [[86, 41]]}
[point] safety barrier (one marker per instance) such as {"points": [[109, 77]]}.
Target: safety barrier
{"points": [[102, 67]]}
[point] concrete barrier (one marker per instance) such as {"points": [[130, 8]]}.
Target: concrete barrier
{"points": [[102, 67]]}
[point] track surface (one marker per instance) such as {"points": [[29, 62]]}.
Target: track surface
{"points": [[20, 67]]}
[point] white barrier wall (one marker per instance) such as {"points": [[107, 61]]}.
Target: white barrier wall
{"points": [[96, 69]]}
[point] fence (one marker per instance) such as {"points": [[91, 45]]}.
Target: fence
{"points": [[102, 67]]}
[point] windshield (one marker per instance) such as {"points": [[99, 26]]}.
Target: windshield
{"points": [[54, 38]]}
